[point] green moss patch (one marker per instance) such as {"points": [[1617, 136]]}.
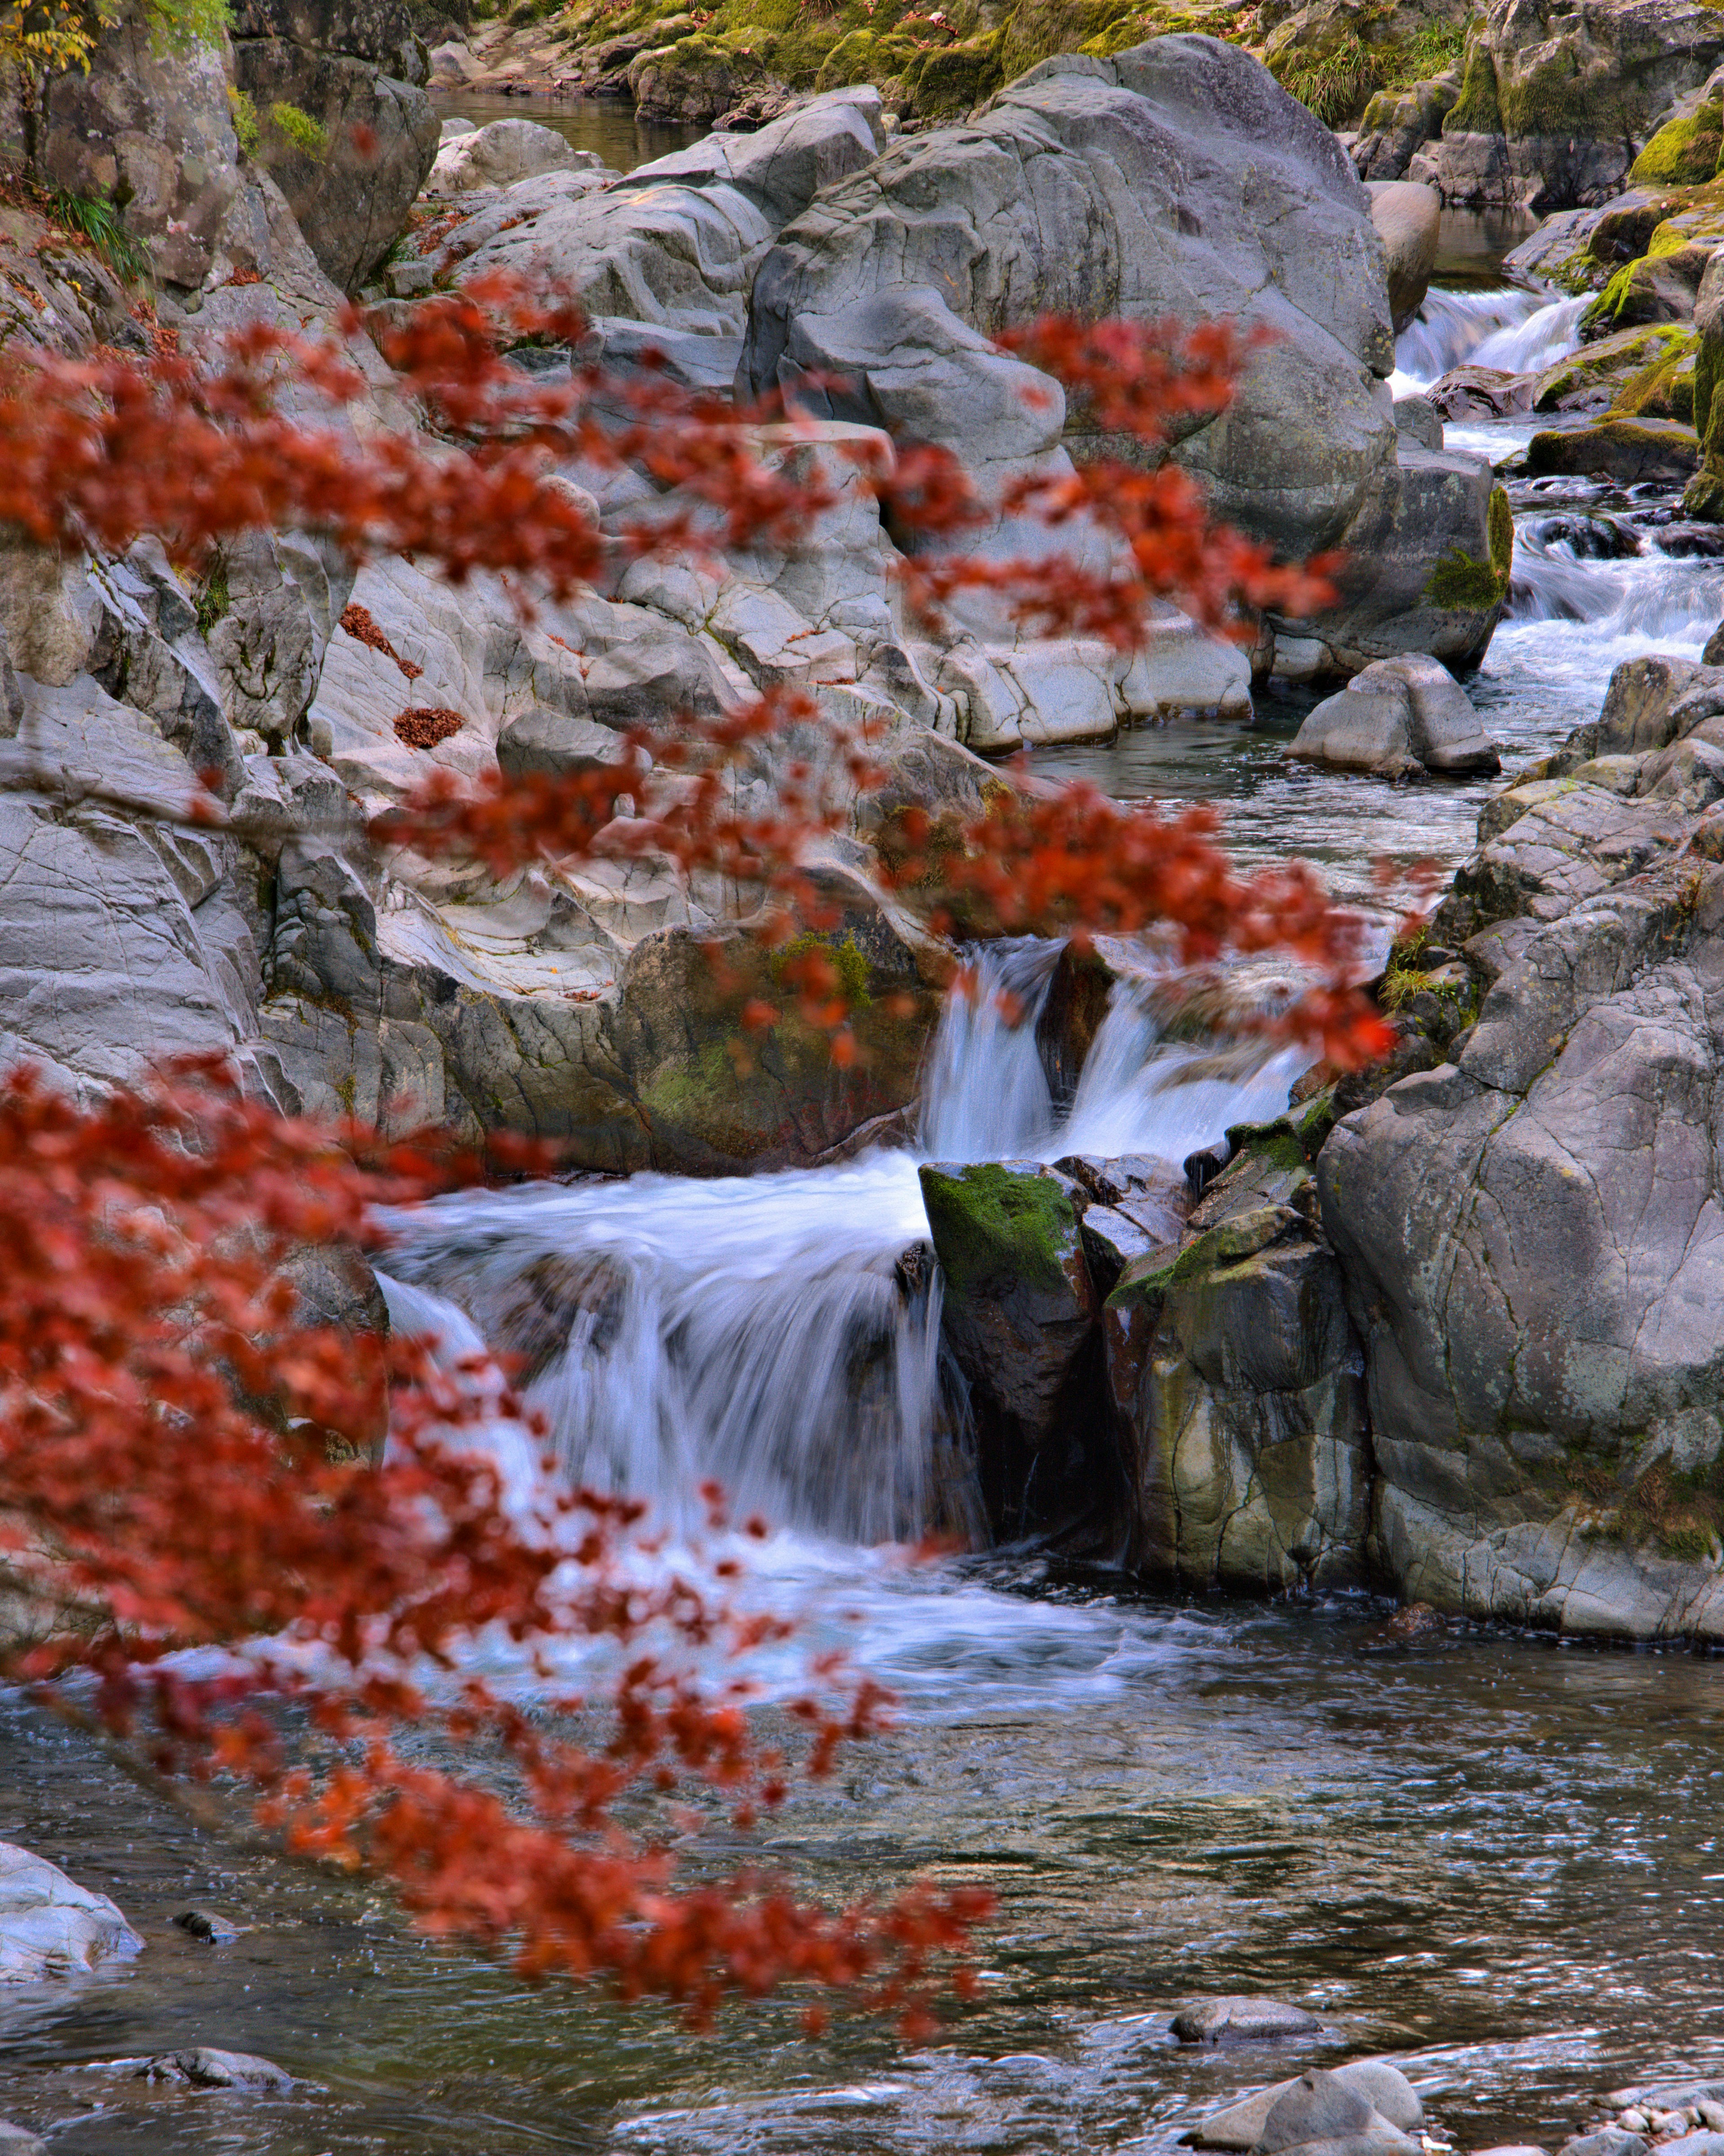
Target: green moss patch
{"points": [[993, 1226], [1684, 153], [1459, 581]]}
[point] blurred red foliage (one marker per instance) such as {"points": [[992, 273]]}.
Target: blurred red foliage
{"points": [[185, 1462]]}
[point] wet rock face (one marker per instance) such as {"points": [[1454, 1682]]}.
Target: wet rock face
{"points": [[1130, 186], [358, 74], [1235, 1380], [1532, 1234], [52, 1927], [1242, 2021], [1137, 185], [1399, 718]]}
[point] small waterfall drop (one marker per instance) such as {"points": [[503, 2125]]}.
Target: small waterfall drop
{"points": [[1515, 331], [780, 1333]]}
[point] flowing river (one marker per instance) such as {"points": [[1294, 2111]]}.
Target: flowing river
{"points": [[1489, 1857]]}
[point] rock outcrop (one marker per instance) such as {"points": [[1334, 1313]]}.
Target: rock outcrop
{"points": [[1529, 1231], [352, 162], [1400, 718], [151, 130], [51, 1926], [1137, 185], [1553, 106]]}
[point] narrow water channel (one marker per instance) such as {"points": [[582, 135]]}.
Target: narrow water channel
{"points": [[1494, 1858]]}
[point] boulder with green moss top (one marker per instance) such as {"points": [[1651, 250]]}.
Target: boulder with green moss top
{"points": [[1235, 1380], [1019, 1315], [344, 123], [1662, 284], [1397, 123], [1629, 451], [1664, 388], [1581, 250], [1685, 151], [1594, 376], [1553, 106]]}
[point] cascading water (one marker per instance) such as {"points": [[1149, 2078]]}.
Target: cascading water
{"points": [[779, 1333], [1511, 329]]}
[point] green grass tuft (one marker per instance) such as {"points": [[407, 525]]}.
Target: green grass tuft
{"points": [[100, 224]]}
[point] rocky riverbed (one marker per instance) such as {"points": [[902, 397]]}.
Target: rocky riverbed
{"points": [[1131, 1318]]}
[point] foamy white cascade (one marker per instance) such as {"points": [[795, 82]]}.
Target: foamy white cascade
{"points": [[1515, 330], [761, 1331]]}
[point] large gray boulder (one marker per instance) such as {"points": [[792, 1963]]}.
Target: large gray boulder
{"points": [[498, 155], [151, 130], [677, 243], [52, 1927], [1174, 180], [358, 73], [1399, 718], [1138, 185], [1532, 1234]]}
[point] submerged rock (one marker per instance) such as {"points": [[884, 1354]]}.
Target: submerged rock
{"points": [[1384, 2088], [1242, 2021], [1398, 718], [205, 2067], [52, 1927], [210, 1926]]}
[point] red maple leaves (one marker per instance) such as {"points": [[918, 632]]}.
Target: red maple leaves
{"points": [[189, 1460]]}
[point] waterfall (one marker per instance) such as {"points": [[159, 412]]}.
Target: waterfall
{"points": [[1516, 332], [780, 1333]]}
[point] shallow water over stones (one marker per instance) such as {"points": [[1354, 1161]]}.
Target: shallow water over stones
{"points": [[1497, 1860], [604, 126]]}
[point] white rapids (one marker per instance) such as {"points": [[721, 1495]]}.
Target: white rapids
{"points": [[762, 1332], [1513, 330]]}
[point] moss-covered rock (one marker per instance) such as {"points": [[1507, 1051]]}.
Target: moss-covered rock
{"points": [[1685, 151], [1233, 1374], [1664, 388], [1019, 1315], [1593, 378], [1631, 451]]}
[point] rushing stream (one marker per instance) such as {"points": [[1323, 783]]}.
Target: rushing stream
{"points": [[1490, 1856]]}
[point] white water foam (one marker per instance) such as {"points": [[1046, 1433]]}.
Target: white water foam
{"points": [[778, 1333], [1511, 329]]}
